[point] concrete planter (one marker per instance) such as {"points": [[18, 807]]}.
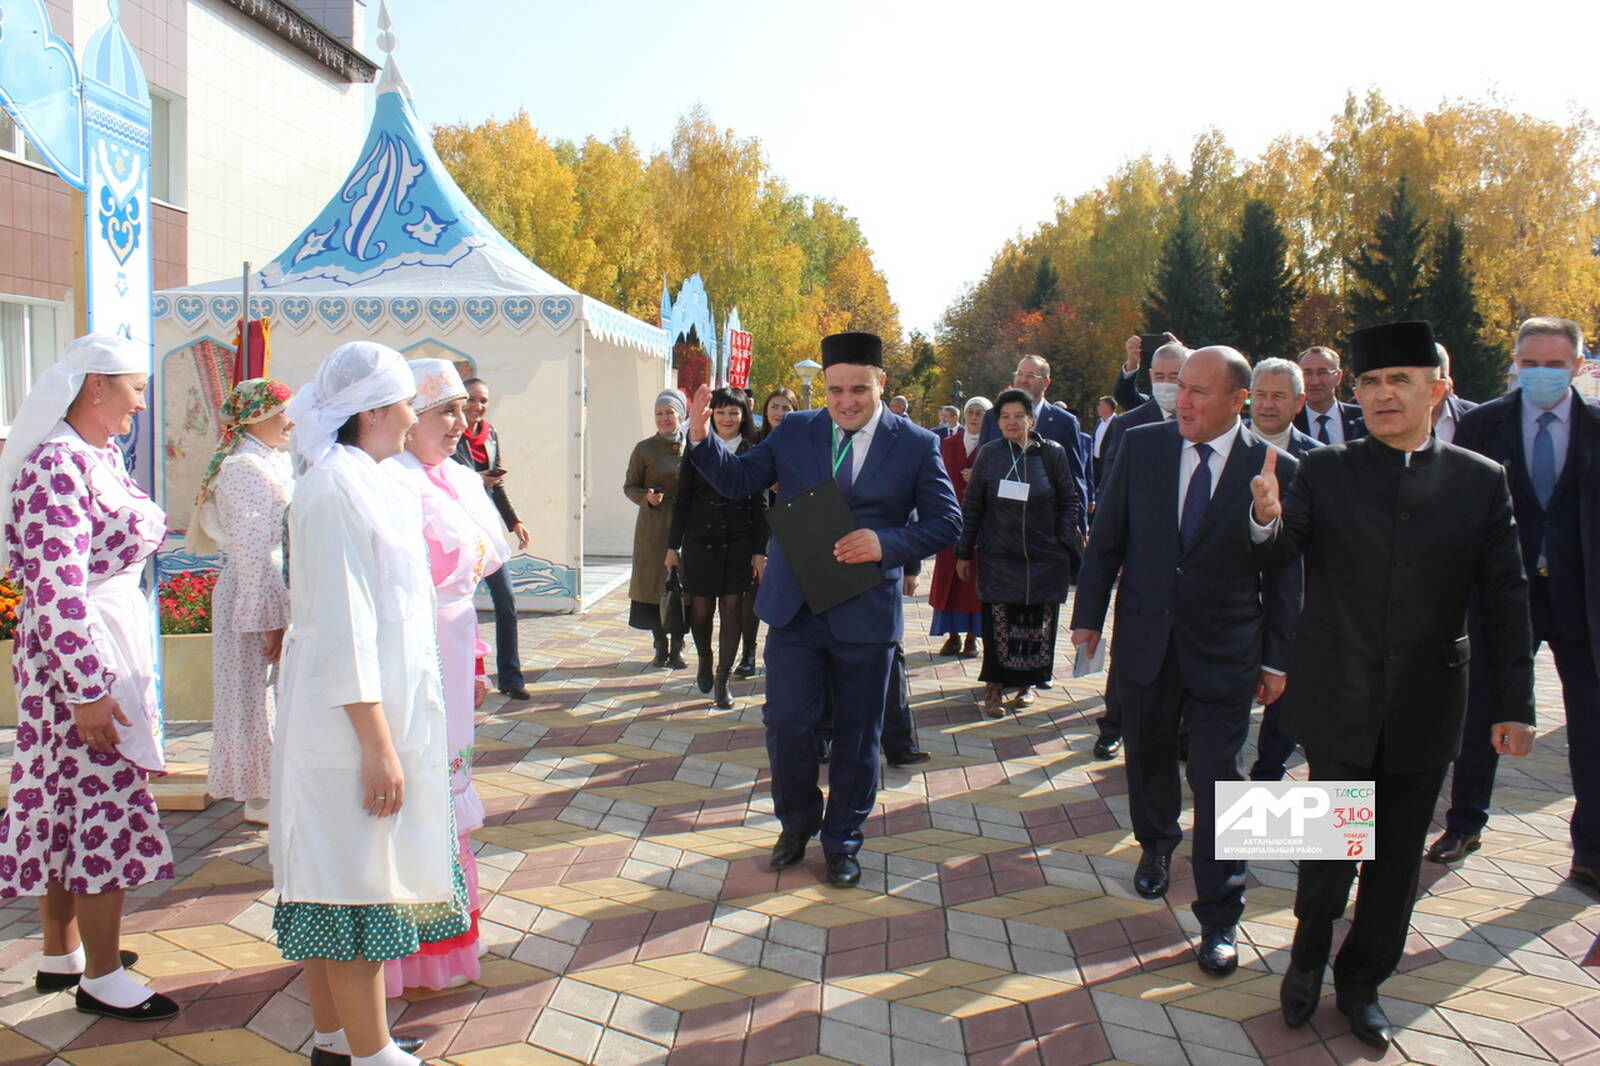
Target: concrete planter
{"points": [[185, 680]]}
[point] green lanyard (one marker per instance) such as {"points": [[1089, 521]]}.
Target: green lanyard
{"points": [[839, 452]]}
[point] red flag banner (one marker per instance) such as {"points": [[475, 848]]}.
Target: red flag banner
{"points": [[740, 345]]}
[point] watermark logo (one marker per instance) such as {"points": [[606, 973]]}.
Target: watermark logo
{"points": [[1296, 819]]}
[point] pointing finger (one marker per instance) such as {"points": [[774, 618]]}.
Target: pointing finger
{"points": [[1269, 466]]}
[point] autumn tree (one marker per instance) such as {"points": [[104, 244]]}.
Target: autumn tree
{"points": [[1450, 302], [1260, 292], [1387, 281]]}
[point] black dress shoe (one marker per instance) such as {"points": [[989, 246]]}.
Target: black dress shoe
{"points": [[843, 870], [1452, 847], [1107, 747], [1585, 877], [824, 749], [60, 982], [1368, 1023], [1150, 879], [157, 1008], [746, 667], [909, 757], [790, 850], [1218, 954], [518, 694], [409, 1044], [1299, 995]]}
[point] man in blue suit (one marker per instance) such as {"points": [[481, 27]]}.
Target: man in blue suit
{"points": [[1326, 418], [905, 510], [1199, 630], [1051, 422], [1277, 394], [1547, 436]]}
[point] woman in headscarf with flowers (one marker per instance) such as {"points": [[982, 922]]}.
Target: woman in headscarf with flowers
{"points": [[239, 511], [466, 542], [81, 827]]}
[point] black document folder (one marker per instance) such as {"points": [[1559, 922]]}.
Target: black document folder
{"points": [[807, 526]]}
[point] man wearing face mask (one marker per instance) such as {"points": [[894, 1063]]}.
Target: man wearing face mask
{"points": [[1166, 362], [1547, 436]]}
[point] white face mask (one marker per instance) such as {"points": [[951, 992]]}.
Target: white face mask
{"points": [[1166, 394]]}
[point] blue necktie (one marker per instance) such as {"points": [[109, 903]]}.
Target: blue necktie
{"points": [[845, 473], [1544, 461], [1322, 429], [1197, 499]]}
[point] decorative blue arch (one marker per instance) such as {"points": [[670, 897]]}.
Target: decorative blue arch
{"points": [[691, 311]]}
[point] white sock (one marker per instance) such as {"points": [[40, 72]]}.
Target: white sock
{"points": [[116, 989], [389, 1056], [334, 1042], [71, 962]]}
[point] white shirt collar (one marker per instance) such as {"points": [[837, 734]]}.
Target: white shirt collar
{"points": [[1562, 410], [1222, 443]]}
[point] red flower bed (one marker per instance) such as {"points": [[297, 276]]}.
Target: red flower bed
{"points": [[185, 601]]}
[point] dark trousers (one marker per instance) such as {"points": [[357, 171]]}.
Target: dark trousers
{"points": [[899, 729], [508, 665], [1111, 722], [1473, 786], [804, 660], [1377, 937], [1217, 731], [1272, 747]]}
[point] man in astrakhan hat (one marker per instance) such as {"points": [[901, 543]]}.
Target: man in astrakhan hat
{"points": [[890, 473], [1398, 530]]}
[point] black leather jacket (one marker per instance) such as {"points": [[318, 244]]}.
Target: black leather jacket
{"points": [[1027, 549]]}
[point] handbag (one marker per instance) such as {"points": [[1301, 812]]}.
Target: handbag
{"points": [[674, 611]]}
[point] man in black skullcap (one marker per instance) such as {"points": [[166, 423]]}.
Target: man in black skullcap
{"points": [[1398, 531], [905, 510]]}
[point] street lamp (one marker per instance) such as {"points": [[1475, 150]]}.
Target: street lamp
{"points": [[807, 369]]}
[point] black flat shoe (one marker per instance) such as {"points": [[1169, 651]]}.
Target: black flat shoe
{"points": [[843, 870], [1150, 879], [60, 982], [1107, 747], [1368, 1024], [409, 1044], [909, 757], [746, 667], [1218, 953], [1452, 847], [157, 1008], [518, 694], [790, 850], [703, 679], [1299, 995]]}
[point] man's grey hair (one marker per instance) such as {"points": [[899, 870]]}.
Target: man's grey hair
{"points": [[1274, 365], [1548, 326], [950, 409], [1172, 350], [1318, 349], [1044, 364], [1444, 357]]}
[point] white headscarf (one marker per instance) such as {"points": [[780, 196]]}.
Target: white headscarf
{"points": [[438, 383], [355, 377], [47, 402], [971, 439]]}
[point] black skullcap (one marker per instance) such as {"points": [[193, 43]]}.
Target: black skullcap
{"points": [[1395, 344], [865, 349]]}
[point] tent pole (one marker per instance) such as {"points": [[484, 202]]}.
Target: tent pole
{"points": [[241, 358]]}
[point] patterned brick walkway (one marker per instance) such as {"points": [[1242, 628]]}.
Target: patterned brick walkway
{"points": [[630, 917]]}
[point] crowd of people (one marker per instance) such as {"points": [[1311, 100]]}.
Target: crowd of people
{"points": [[1379, 590]]}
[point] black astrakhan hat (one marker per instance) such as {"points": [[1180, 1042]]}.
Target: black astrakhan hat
{"points": [[1395, 344], [865, 349]]}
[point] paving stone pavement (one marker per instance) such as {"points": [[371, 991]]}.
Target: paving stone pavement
{"points": [[630, 916]]}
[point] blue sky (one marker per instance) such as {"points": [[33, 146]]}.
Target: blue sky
{"points": [[945, 128]]}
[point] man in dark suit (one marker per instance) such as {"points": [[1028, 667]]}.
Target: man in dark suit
{"points": [[949, 422], [1398, 531], [1199, 629], [887, 468], [1125, 390], [1277, 394], [1447, 416], [1165, 366], [1326, 418], [1546, 435], [1051, 422]]}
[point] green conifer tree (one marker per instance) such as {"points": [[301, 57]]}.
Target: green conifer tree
{"points": [[1260, 292], [1451, 304], [1387, 282], [1185, 300]]}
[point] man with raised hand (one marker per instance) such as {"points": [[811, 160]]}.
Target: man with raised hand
{"points": [[905, 510], [1398, 530]]}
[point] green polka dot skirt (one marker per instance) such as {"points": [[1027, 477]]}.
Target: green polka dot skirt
{"points": [[376, 932]]}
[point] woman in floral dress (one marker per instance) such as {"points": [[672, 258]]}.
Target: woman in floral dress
{"points": [[239, 511], [466, 541], [81, 827], [363, 840]]}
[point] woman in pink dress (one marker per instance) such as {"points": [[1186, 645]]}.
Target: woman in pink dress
{"points": [[81, 827], [466, 540]]}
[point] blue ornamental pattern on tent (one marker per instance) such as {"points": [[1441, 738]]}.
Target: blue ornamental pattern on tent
{"points": [[399, 207]]}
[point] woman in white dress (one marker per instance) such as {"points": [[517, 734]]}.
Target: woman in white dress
{"points": [[466, 541], [363, 841], [239, 511]]}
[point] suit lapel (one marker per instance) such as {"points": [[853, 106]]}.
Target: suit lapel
{"points": [[1511, 441], [882, 440], [822, 437]]}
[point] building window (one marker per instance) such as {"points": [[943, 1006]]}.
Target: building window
{"points": [[167, 140], [30, 332], [13, 143]]}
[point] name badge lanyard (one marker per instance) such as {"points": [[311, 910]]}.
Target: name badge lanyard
{"points": [[839, 453]]}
